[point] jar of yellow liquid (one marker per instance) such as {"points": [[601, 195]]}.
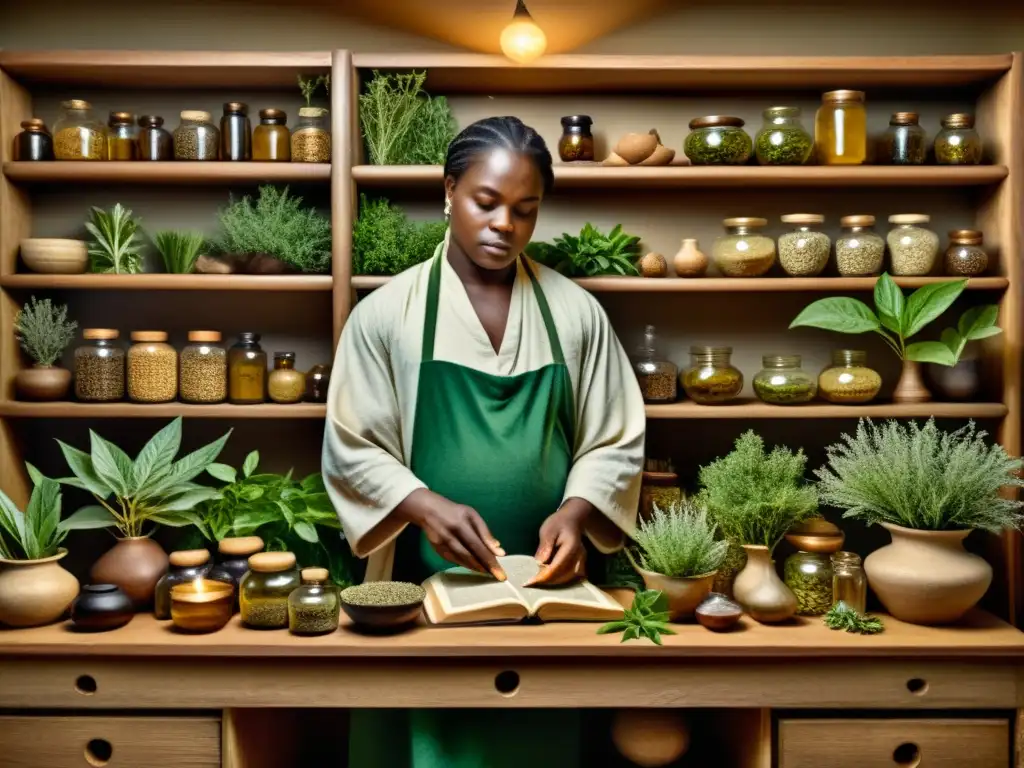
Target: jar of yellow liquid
{"points": [[840, 129]]}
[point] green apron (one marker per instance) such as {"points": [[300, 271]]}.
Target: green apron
{"points": [[504, 446]]}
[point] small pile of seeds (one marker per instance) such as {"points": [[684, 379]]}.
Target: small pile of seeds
{"points": [[383, 593], [311, 145], [79, 143]]}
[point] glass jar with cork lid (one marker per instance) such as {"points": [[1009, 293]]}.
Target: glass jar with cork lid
{"points": [[743, 251], [196, 137], [155, 143], [77, 135], [203, 368], [804, 252], [711, 377], [808, 572], [840, 128], [264, 590], [99, 367], [849, 380], [657, 377], [958, 143], [285, 384], [311, 139], [152, 368], [315, 607], [121, 144], [34, 143], [965, 256], [913, 248], [271, 140], [233, 553], [247, 370], [860, 251]]}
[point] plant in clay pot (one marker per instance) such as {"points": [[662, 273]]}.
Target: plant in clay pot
{"points": [[756, 497], [34, 588], [929, 488], [133, 496], [44, 332]]}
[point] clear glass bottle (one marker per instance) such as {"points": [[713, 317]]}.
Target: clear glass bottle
{"points": [[809, 576], [285, 384], [840, 129], [99, 367], [196, 137], [860, 251], [77, 135], [958, 143], [34, 143], [247, 370], [849, 380], [711, 377], [233, 553], [849, 582], [742, 251], [965, 256], [318, 380], [783, 382], [577, 142], [903, 143], [718, 140], [203, 368], [235, 132], [154, 141], [913, 248], [264, 590], [315, 607], [311, 139], [185, 565], [783, 140], [121, 144], [804, 252], [271, 140], [657, 377], [152, 368]]}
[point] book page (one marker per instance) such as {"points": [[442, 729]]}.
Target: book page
{"points": [[460, 595], [580, 600]]}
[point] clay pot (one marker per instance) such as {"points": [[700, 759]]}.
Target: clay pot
{"points": [[55, 256], [35, 592], [636, 147], [959, 382], [910, 388], [43, 382], [651, 737], [759, 589], [689, 261], [683, 595], [135, 565], [101, 608], [927, 577]]}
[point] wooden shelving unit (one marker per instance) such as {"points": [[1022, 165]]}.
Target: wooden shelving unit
{"points": [[19, 410], [160, 282], [192, 174]]}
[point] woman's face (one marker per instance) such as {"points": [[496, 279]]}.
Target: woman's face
{"points": [[494, 207]]}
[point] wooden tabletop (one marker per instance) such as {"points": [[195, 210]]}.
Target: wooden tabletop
{"points": [[980, 635]]}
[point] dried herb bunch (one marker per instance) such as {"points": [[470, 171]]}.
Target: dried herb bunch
{"points": [[679, 542], [386, 242], [842, 616], [402, 125], [43, 330], [310, 85], [114, 246], [922, 477]]}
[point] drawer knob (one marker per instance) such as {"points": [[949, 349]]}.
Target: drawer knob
{"points": [[907, 755], [917, 686], [507, 682], [85, 685], [98, 752]]}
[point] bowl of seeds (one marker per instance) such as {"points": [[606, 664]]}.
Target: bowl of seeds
{"points": [[383, 604]]}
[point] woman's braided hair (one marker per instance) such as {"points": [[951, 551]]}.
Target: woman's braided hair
{"points": [[498, 132]]}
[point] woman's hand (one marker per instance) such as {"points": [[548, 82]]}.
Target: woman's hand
{"points": [[561, 551], [456, 532]]}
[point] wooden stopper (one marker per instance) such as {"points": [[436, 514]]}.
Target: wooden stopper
{"points": [[209, 337], [315, 575], [105, 334], [272, 562], [149, 336], [240, 545], [189, 558]]}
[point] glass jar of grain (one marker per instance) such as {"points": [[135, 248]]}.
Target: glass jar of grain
{"points": [[155, 143], [904, 141], [860, 251], [99, 367], [196, 137], [34, 142], [958, 143], [247, 370], [804, 252], [271, 141], [840, 129], [77, 135], [849, 380], [264, 590], [711, 377], [311, 139], [285, 384], [965, 256], [315, 607], [235, 132], [742, 251], [203, 368], [185, 566], [121, 143], [656, 376], [718, 140], [849, 582], [913, 247], [783, 382], [152, 368], [783, 140]]}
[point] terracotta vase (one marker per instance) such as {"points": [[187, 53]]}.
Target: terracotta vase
{"points": [[959, 382], [35, 592], [689, 261], [683, 595], [43, 382], [135, 565], [927, 577], [910, 388], [759, 589]]}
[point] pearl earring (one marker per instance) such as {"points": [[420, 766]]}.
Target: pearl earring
{"points": [[447, 207]]}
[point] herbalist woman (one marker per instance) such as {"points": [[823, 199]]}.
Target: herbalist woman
{"points": [[482, 406]]}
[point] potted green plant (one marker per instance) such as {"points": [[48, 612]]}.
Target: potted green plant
{"points": [[678, 553], [385, 241], [756, 497], [929, 488], [44, 332], [114, 246], [34, 588], [133, 497], [402, 124], [179, 250], [897, 318]]}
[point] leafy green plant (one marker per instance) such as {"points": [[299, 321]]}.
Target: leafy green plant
{"points": [[896, 319], [179, 250], [37, 532], [755, 496], [842, 616], [279, 226], [114, 247], [43, 330], [647, 617], [386, 242], [401, 124], [679, 542], [591, 254], [310, 85], [922, 477], [152, 489]]}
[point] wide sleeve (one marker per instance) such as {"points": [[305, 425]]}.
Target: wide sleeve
{"points": [[362, 456], [610, 430]]}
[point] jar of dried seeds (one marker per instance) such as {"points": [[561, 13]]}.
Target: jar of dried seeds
{"points": [[152, 368], [196, 137], [958, 143], [718, 140], [77, 135], [912, 247], [657, 377], [285, 384], [264, 590], [743, 251], [965, 256], [121, 137], [903, 142], [315, 607], [804, 251], [711, 377], [204, 368], [860, 251], [99, 367], [247, 370], [849, 380], [155, 143], [783, 140], [783, 382], [311, 139], [659, 489]]}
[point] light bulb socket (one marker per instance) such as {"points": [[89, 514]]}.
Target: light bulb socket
{"points": [[521, 12]]}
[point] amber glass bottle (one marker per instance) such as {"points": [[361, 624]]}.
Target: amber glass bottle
{"points": [[247, 370], [271, 141], [121, 137]]}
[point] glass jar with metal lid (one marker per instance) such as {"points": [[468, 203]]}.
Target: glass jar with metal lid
{"points": [[196, 137], [203, 368], [271, 140], [285, 384], [958, 143], [77, 135], [154, 141], [804, 252], [247, 370], [34, 142], [808, 572], [264, 590], [913, 247], [840, 129], [99, 367], [783, 140], [965, 256], [121, 143], [577, 142], [742, 251], [311, 139], [903, 142], [235, 132], [315, 607], [783, 382], [860, 251], [849, 380], [152, 368], [657, 377], [711, 377], [185, 565], [718, 140]]}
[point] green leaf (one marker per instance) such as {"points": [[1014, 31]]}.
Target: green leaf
{"points": [[930, 352], [93, 516], [191, 466], [633, 633], [154, 460], [173, 519], [190, 499], [251, 492], [112, 465], [80, 463], [979, 322], [652, 634], [251, 461], [306, 532], [838, 313], [286, 513], [613, 627], [953, 340], [222, 472], [889, 302], [927, 303]]}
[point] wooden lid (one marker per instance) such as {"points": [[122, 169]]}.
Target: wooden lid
{"points": [[211, 337], [904, 118], [745, 221], [100, 334], [271, 562], [817, 535], [196, 115], [149, 336], [842, 95], [966, 236], [315, 575], [909, 218], [186, 558], [240, 545], [711, 121], [857, 220], [803, 218]]}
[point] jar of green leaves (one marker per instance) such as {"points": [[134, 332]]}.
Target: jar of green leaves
{"points": [[718, 140], [808, 572], [783, 140], [783, 382], [711, 377]]}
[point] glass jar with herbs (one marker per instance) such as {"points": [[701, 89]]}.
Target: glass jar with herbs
{"points": [[235, 132], [849, 582], [271, 140], [860, 251], [711, 377], [783, 140], [804, 252], [152, 368], [965, 256], [196, 137], [840, 129], [577, 142], [154, 141], [311, 139], [659, 486], [849, 380], [185, 566], [203, 368], [77, 135], [285, 385], [657, 377], [808, 573], [958, 143], [34, 143], [743, 251], [264, 590], [121, 144], [913, 248], [783, 382], [318, 381], [903, 143], [718, 140], [315, 607], [247, 370], [233, 553], [99, 367]]}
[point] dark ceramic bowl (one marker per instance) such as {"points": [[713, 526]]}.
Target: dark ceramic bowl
{"points": [[101, 608], [382, 617]]}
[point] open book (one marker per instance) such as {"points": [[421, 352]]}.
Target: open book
{"points": [[461, 596]]}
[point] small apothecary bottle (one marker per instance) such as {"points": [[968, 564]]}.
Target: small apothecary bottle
{"points": [[318, 380], [203, 368], [903, 142], [264, 590], [185, 566], [99, 367], [271, 140], [152, 368], [34, 142], [808, 572], [849, 380], [121, 144], [783, 140], [311, 139], [154, 141], [235, 132], [196, 137], [577, 142], [783, 382], [743, 251], [965, 256], [718, 140], [840, 129], [285, 384], [657, 377], [804, 252], [315, 607], [233, 553], [77, 135], [958, 143], [849, 582], [860, 251], [247, 370], [711, 377], [913, 247]]}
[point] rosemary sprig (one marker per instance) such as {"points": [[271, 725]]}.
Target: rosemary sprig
{"points": [[842, 616], [647, 617]]}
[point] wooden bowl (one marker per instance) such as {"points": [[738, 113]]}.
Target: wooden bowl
{"points": [[55, 256], [383, 617]]}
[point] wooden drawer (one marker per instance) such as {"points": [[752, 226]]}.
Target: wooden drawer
{"points": [[932, 743], [114, 742]]}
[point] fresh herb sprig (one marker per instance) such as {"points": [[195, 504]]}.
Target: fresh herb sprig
{"points": [[647, 617], [179, 250], [590, 254], [842, 616]]}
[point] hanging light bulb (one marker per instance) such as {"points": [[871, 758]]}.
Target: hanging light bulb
{"points": [[522, 40]]}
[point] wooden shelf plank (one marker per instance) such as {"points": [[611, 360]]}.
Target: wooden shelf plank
{"points": [[66, 410], [165, 282], [759, 410], [191, 173]]}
